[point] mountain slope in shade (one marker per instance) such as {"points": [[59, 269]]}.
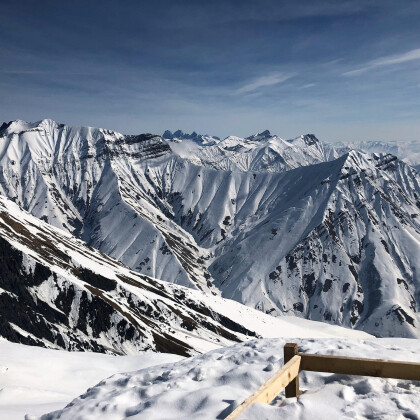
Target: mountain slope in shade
{"points": [[336, 241]]}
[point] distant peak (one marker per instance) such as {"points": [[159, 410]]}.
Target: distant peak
{"points": [[204, 139], [260, 136], [5, 126]]}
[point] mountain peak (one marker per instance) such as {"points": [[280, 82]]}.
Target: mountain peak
{"points": [[260, 136], [309, 139], [305, 140]]}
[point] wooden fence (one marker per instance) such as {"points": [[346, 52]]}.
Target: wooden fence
{"points": [[294, 362]]}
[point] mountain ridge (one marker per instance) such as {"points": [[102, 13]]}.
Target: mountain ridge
{"points": [[316, 233]]}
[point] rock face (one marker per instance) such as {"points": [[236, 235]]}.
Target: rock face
{"points": [[288, 227]]}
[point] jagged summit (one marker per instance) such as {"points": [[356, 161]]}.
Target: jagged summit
{"points": [[202, 139], [407, 150]]}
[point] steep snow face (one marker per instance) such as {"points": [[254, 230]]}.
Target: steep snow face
{"points": [[212, 385], [337, 241], [96, 184], [57, 292]]}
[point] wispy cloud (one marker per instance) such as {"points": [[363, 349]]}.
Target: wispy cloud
{"points": [[52, 71], [386, 61], [308, 85], [267, 80]]}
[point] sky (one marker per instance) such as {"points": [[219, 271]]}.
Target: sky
{"points": [[345, 70]]}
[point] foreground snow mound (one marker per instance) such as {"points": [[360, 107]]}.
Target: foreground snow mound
{"points": [[210, 386]]}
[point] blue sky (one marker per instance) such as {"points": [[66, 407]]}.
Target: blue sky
{"points": [[344, 70]]}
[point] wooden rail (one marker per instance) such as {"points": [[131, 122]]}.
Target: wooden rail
{"points": [[362, 367], [288, 376]]}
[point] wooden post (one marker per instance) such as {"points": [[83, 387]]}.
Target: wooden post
{"points": [[271, 388], [291, 350]]}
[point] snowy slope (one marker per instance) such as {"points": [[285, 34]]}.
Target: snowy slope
{"points": [[210, 386], [36, 380], [96, 184], [57, 292], [337, 241]]}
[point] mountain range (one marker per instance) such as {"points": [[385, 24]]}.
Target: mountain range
{"points": [[288, 227]]}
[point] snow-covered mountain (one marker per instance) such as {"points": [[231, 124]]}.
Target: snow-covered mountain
{"points": [[57, 292], [406, 150], [303, 234], [106, 188], [339, 241], [261, 152]]}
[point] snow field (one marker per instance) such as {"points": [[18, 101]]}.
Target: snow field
{"points": [[34, 380], [210, 386]]}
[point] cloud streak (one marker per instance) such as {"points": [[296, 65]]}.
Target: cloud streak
{"points": [[267, 80], [386, 61]]}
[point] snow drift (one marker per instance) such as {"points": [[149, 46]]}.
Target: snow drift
{"points": [[210, 386]]}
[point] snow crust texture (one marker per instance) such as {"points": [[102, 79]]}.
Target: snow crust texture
{"points": [[290, 227], [210, 386]]}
